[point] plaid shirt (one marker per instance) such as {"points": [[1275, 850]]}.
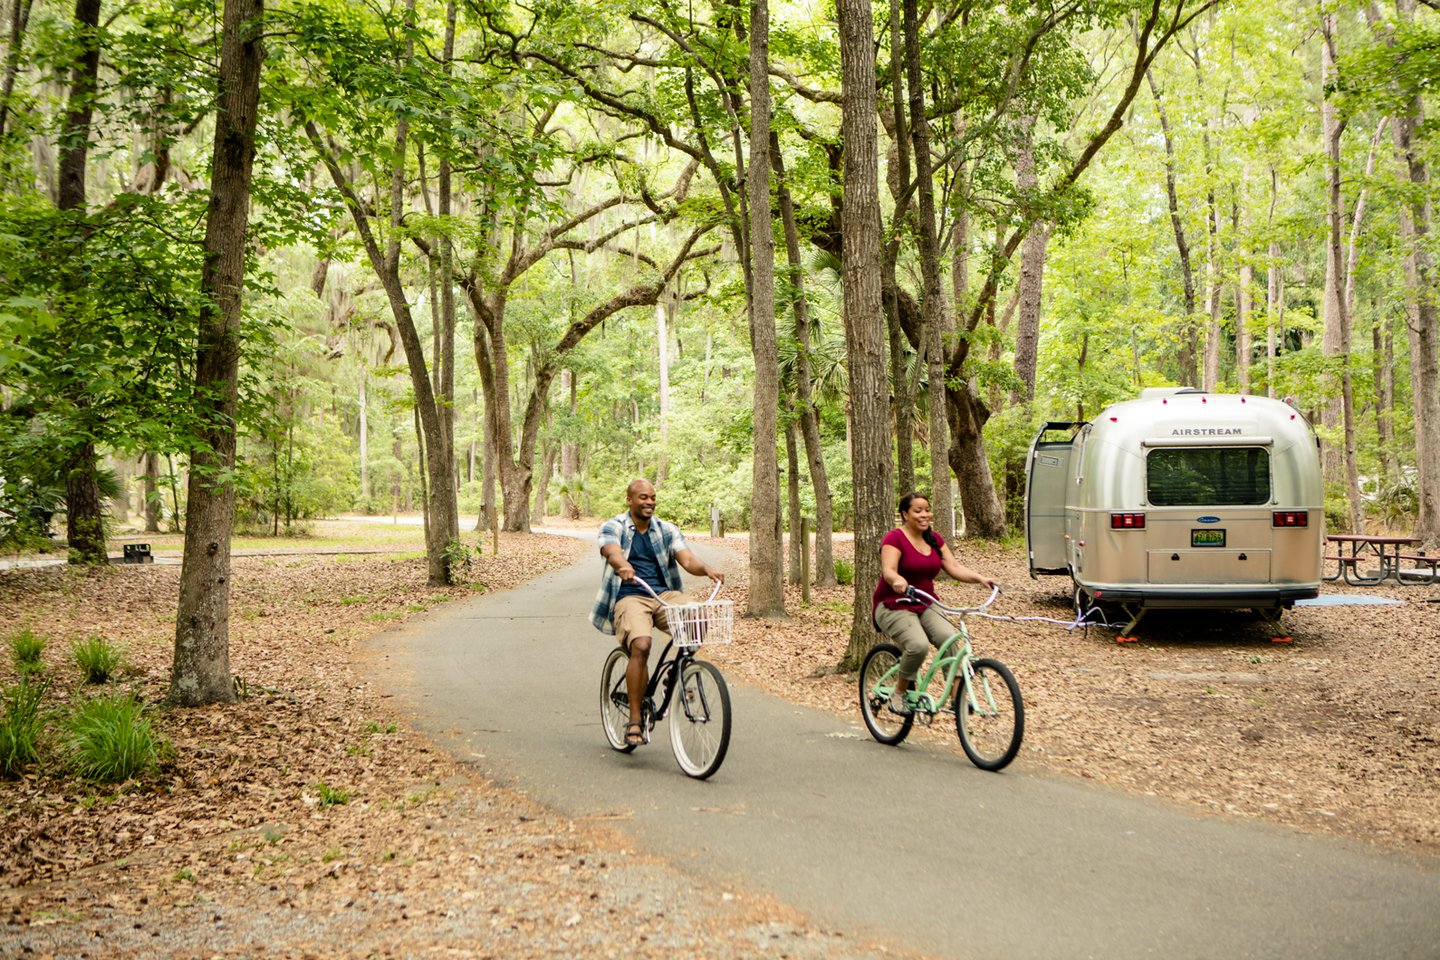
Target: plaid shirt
{"points": [[665, 539]]}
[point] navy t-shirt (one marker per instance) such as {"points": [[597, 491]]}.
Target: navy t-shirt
{"points": [[647, 568]]}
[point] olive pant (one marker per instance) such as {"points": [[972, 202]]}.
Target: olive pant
{"points": [[915, 634]]}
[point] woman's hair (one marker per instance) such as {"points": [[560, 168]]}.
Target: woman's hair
{"points": [[905, 502]]}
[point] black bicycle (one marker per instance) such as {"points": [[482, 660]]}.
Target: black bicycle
{"points": [[691, 692]]}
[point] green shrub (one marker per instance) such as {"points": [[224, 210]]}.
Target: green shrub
{"points": [[27, 649], [112, 740], [844, 571], [20, 723], [96, 657]]}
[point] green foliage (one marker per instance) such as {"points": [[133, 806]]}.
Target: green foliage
{"points": [[27, 649], [458, 556], [96, 657], [21, 724], [844, 571], [111, 739]]}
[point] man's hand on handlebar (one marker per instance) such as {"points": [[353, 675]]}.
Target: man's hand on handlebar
{"points": [[625, 572]]}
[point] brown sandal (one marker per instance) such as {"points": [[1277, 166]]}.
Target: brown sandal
{"points": [[634, 734]]}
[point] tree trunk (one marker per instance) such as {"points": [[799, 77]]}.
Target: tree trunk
{"points": [[809, 416], [364, 439], [1032, 267], [84, 517], [871, 469], [902, 405], [1333, 306], [201, 672], [767, 593], [1189, 370], [542, 484], [153, 506], [1425, 358], [984, 513], [570, 451], [19, 20], [936, 310], [792, 490]]}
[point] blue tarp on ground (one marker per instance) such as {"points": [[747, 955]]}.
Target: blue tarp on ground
{"points": [[1345, 600]]}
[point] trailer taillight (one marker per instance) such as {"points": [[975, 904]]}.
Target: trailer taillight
{"points": [[1127, 521], [1290, 518]]}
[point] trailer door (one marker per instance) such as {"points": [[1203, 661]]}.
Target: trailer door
{"points": [[1046, 484], [1209, 519]]}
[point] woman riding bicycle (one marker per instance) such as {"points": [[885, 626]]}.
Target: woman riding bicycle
{"points": [[911, 555]]}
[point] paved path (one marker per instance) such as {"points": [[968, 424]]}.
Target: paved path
{"points": [[907, 845]]}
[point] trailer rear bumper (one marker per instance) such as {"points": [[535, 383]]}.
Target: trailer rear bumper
{"points": [[1206, 597]]}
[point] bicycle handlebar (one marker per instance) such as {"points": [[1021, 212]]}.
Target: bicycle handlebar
{"points": [[946, 608], [650, 590]]}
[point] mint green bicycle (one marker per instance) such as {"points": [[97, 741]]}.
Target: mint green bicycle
{"points": [[989, 714]]}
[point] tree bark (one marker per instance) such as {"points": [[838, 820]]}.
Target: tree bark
{"points": [[201, 672], [808, 414], [936, 310], [792, 491], [871, 467], [1337, 310], [1189, 345], [84, 516], [153, 505], [1425, 319], [767, 592], [19, 21]]}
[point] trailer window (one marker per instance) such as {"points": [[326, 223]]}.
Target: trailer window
{"points": [[1229, 476]]}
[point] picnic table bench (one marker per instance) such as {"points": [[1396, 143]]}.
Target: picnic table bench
{"points": [[1351, 549]]}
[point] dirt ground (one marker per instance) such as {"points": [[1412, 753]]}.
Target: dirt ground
{"points": [[232, 851]]}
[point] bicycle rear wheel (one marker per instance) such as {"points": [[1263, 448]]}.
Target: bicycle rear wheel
{"points": [[884, 725], [700, 719], [615, 700], [992, 726]]}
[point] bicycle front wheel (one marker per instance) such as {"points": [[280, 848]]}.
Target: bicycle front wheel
{"points": [[989, 715], [615, 700], [877, 679], [700, 719]]}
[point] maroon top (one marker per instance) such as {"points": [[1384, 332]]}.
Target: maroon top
{"points": [[918, 570]]}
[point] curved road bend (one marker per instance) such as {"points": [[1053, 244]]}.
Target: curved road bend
{"points": [[1017, 865]]}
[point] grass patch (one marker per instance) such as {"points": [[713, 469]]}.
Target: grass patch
{"points": [[20, 723], [97, 658], [26, 648], [844, 572], [111, 740], [385, 615], [331, 796], [351, 601]]}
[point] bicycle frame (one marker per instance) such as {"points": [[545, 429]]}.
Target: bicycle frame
{"points": [[950, 660], [671, 670]]}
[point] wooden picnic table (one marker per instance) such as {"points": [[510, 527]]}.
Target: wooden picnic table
{"points": [[1353, 548]]}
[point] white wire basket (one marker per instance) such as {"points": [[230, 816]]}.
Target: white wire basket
{"points": [[693, 624]]}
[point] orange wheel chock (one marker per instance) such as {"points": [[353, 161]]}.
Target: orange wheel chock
{"points": [[1282, 639], [1127, 639]]}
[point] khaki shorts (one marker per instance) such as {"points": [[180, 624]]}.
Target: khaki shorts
{"points": [[639, 616]]}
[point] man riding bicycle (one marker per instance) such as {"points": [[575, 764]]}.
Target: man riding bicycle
{"points": [[637, 545]]}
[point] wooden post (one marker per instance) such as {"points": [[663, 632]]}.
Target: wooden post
{"points": [[495, 531], [717, 527], [805, 524]]}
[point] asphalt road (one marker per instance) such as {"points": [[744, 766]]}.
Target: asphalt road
{"points": [[907, 845]]}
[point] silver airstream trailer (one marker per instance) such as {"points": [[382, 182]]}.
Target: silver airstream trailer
{"points": [[1179, 499]]}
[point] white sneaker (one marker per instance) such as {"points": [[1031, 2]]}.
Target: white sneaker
{"points": [[898, 704]]}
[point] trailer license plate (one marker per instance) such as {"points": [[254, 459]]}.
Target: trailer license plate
{"points": [[1207, 538]]}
